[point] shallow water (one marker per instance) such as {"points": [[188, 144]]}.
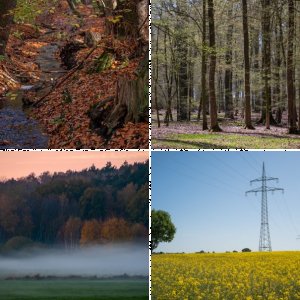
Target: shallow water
{"points": [[17, 131]]}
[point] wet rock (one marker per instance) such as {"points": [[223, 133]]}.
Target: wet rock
{"points": [[91, 39]]}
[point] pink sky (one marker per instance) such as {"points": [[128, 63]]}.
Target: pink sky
{"points": [[21, 163]]}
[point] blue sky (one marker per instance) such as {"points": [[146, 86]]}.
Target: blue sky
{"points": [[205, 194]]}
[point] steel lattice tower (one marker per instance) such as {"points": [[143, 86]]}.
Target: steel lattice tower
{"points": [[264, 240]]}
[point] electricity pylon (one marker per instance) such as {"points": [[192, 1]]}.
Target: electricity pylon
{"points": [[264, 240]]}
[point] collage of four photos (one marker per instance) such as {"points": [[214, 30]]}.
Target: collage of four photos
{"points": [[149, 149]]}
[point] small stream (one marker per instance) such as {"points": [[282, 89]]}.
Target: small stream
{"points": [[17, 131]]}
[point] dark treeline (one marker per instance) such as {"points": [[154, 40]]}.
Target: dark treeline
{"points": [[76, 207]]}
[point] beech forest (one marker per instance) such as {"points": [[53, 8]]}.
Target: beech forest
{"points": [[226, 74]]}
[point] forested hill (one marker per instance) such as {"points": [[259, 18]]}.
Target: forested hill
{"points": [[92, 206]]}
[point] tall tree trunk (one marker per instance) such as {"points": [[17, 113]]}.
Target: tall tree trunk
{"points": [[256, 70], [182, 45], [169, 74], [6, 19], [190, 81], [299, 99], [166, 67], [221, 104], [248, 123], [177, 96], [212, 69], [203, 101], [277, 89], [266, 62], [290, 69], [156, 80], [188, 85], [298, 21], [172, 77], [228, 71]]}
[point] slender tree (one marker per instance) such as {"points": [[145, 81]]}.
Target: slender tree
{"points": [[228, 71], [277, 68], [212, 69], [203, 101], [248, 123], [156, 80], [290, 69], [182, 52], [266, 61]]}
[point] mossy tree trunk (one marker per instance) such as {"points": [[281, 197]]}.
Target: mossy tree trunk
{"points": [[134, 94]]}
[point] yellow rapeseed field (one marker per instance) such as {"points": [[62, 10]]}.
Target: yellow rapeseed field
{"points": [[227, 276]]}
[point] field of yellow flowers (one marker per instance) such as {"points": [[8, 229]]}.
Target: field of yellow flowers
{"points": [[227, 276]]}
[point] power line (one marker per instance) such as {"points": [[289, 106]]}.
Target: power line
{"points": [[249, 163], [232, 190], [229, 166], [211, 183], [251, 153], [290, 216], [198, 170]]}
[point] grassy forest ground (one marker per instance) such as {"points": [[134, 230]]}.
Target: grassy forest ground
{"points": [[79, 289], [63, 115], [190, 135]]}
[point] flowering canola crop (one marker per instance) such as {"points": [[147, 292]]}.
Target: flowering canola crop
{"points": [[227, 276]]}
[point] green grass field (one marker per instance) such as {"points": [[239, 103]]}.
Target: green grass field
{"points": [[125, 289], [224, 141]]}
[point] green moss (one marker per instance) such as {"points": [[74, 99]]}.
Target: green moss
{"points": [[102, 63]]}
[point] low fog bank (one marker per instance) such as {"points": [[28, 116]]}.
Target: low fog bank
{"points": [[100, 261]]}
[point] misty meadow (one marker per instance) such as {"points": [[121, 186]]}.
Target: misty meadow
{"points": [[75, 234]]}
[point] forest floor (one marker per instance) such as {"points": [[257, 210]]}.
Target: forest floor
{"points": [[189, 135], [64, 114]]}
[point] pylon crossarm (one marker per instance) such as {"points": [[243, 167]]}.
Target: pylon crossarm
{"points": [[273, 189], [271, 178], [258, 190], [256, 180], [263, 178]]}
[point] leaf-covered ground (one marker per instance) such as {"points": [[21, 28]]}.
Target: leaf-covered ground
{"points": [[67, 122], [184, 135]]}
